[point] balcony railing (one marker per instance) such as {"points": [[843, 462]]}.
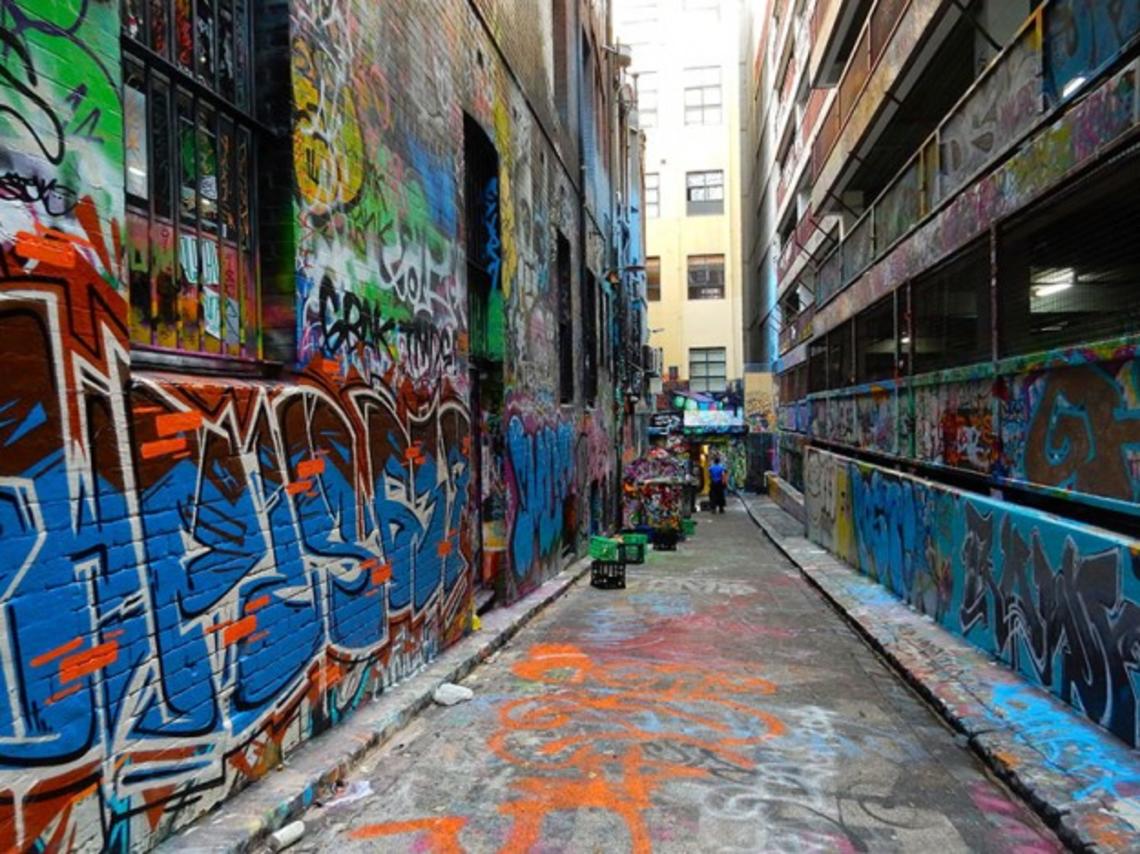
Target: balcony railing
{"points": [[796, 329], [873, 38], [1000, 108]]}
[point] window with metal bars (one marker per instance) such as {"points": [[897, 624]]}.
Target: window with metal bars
{"points": [[1069, 271], [653, 279], [950, 307], [190, 141]]}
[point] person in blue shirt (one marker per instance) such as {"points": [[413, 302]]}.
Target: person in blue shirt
{"points": [[718, 481]]}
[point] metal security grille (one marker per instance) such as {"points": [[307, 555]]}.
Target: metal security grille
{"points": [[951, 309], [190, 164], [1069, 272]]}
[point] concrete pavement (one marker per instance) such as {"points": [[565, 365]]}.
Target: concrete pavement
{"points": [[716, 704], [1081, 777]]}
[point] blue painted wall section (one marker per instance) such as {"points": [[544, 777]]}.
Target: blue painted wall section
{"points": [[1055, 600]]}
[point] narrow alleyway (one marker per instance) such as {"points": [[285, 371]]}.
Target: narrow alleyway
{"points": [[715, 704]]}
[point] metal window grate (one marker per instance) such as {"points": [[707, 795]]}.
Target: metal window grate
{"points": [[1069, 272], [951, 309]]}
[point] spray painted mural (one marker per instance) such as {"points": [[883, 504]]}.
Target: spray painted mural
{"points": [[1057, 601], [199, 573]]}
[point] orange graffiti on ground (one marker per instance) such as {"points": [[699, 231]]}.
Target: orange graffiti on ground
{"points": [[589, 742], [442, 833], [616, 709]]}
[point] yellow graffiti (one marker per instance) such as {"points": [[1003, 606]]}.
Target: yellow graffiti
{"points": [[506, 203], [328, 151]]}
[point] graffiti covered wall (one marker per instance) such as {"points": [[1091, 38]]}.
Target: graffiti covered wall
{"points": [[1057, 601], [201, 572]]}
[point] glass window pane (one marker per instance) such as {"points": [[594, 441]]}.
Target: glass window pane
{"points": [[159, 27], [189, 304], [184, 34], [133, 23], [134, 132], [188, 160], [162, 177], [227, 71], [208, 168], [204, 31]]}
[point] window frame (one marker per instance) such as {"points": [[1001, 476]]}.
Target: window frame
{"points": [[178, 107], [703, 101], [700, 381], [711, 195], [652, 195], [706, 265], [653, 278]]}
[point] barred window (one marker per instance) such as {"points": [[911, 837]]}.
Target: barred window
{"points": [[653, 279], [1069, 272], [706, 277], [702, 96], [704, 192], [190, 167]]}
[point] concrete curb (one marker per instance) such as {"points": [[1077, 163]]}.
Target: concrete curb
{"points": [[276, 799], [1057, 761]]}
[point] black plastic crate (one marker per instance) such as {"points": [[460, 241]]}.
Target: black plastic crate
{"points": [[607, 573], [666, 540], [633, 552]]}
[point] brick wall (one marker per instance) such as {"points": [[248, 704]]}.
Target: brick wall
{"points": [[203, 570]]}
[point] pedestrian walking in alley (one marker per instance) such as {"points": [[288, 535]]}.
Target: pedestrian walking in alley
{"points": [[717, 482]]}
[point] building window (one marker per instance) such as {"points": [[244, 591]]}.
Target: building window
{"points": [[706, 277], [1069, 271], [875, 341], [704, 193], [950, 306], [840, 357], [652, 194], [707, 369], [190, 176], [653, 279], [647, 99], [702, 96]]}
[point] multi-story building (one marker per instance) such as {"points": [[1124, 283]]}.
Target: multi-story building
{"points": [[686, 62], [946, 198], [687, 83], [318, 321]]}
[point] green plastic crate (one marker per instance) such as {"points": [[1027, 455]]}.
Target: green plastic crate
{"points": [[605, 548], [688, 527], [636, 539]]}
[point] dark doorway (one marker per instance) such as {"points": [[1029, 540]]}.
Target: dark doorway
{"points": [[485, 333]]}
